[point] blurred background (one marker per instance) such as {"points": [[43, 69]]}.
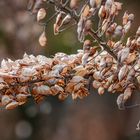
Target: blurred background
{"points": [[93, 118]]}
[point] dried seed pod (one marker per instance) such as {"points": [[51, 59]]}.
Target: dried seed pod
{"points": [[43, 39], [101, 90], [131, 17], [21, 97], [131, 58], [41, 14], [123, 54], [5, 100], [43, 90], [95, 3], [127, 94], [28, 72], [87, 45], [62, 96], [118, 6], [74, 4], [88, 26], [118, 31], [97, 75], [108, 4], [11, 105], [138, 41], [138, 31], [102, 12], [125, 18], [127, 27], [80, 28], [96, 84], [85, 58], [120, 102], [85, 12], [122, 73], [92, 3]]}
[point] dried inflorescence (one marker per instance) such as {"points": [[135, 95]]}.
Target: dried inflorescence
{"points": [[112, 64]]}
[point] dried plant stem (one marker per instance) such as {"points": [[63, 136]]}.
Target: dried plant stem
{"points": [[101, 43]]}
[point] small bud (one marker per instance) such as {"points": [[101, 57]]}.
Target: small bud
{"points": [[41, 14], [43, 39]]}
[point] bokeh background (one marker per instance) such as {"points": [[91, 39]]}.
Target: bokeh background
{"points": [[93, 118]]}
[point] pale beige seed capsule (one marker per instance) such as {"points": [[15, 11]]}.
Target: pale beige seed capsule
{"points": [[41, 14], [12, 105], [92, 3], [120, 101], [127, 26], [125, 18], [101, 90], [74, 4], [85, 12], [96, 84], [127, 94], [42, 90], [5, 100], [43, 39], [123, 54], [131, 17], [122, 73]]}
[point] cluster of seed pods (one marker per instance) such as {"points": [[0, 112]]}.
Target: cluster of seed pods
{"points": [[106, 61]]}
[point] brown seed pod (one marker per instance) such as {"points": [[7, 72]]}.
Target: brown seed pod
{"points": [[43, 39], [101, 90], [11, 105], [96, 84], [5, 100], [122, 73], [41, 14], [21, 97]]}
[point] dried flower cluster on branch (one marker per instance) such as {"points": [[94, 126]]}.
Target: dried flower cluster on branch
{"points": [[106, 61]]}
